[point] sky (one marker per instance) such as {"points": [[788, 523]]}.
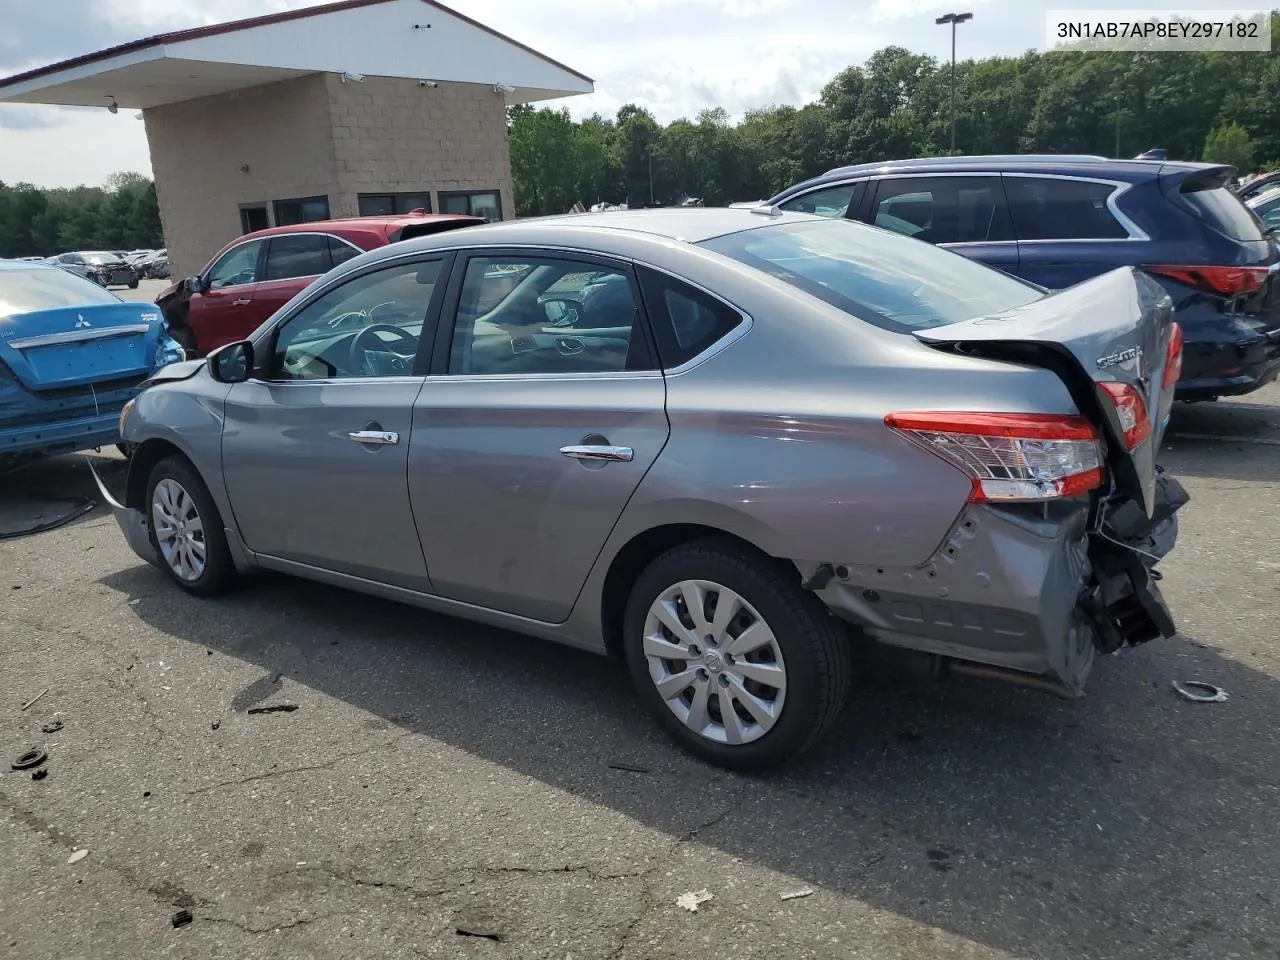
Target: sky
{"points": [[675, 57]]}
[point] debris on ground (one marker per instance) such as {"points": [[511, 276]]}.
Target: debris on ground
{"points": [[275, 708], [1197, 691], [690, 901], [35, 698], [39, 774], [215, 725], [182, 918], [629, 767], [796, 894], [30, 760], [53, 726], [484, 933], [78, 855]]}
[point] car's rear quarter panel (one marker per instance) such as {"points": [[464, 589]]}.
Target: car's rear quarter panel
{"points": [[779, 437]]}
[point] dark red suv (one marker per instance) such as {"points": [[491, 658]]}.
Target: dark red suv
{"points": [[255, 275]]}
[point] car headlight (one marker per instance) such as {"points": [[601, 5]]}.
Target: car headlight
{"points": [[124, 414]]}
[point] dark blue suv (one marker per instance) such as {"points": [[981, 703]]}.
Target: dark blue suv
{"points": [[1058, 220]]}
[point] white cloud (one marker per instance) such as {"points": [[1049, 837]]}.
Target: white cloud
{"points": [[675, 57]]}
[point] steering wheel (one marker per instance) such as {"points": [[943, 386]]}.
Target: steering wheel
{"points": [[367, 342]]}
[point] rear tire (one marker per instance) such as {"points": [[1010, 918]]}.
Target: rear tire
{"points": [[186, 529], [133, 284], [782, 695]]}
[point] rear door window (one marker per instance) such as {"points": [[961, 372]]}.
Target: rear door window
{"points": [[686, 321], [943, 209], [297, 255], [1053, 208]]}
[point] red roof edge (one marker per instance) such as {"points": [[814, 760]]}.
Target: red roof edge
{"points": [[196, 33]]}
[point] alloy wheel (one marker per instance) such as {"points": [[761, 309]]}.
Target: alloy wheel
{"points": [[179, 529], [715, 662]]}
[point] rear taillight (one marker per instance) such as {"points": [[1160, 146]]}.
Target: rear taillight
{"points": [[1010, 456], [1173, 357], [1224, 281], [1132, 412]]}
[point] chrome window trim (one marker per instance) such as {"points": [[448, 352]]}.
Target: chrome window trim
{"points": [[1121, 187], [327, 283]]}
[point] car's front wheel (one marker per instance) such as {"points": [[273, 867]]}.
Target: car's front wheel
{"points": [[737, 662], [186, 530]]}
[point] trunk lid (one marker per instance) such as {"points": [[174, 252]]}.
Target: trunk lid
{"points": [[73, 346], [1113, 329]]}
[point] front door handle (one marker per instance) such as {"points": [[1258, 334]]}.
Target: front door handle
{"points": [[605, 452], [241, 303], [374, 436]]}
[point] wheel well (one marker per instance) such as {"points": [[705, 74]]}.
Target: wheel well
{"points": [[637, 554], [143, 461]]}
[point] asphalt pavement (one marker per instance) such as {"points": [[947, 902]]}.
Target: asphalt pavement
{"points": [[448, 790]]}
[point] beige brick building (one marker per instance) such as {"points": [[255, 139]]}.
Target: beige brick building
{"points": [[357, 107]]}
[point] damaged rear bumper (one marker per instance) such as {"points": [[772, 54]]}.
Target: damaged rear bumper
{"points": [[1035, 591], [132, 522]]}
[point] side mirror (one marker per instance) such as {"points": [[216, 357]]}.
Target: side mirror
{"points": [[193, 285], [562, 311], [232, 363]]}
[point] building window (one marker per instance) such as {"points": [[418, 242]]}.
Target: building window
{"points": [[393, 204], [301, 210], [253, 217], [482, 203]]}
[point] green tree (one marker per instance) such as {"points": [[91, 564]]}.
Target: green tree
{"points": [[1230, 143]]}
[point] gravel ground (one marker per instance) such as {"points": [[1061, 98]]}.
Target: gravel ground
{"points": [[438, 776]]}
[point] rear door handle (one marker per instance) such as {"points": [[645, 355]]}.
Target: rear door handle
{"points": [[605, 452], [374, 436], [241, 303]]}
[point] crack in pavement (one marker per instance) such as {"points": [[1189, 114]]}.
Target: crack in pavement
{"points": [[305, 768], [275, 927]]}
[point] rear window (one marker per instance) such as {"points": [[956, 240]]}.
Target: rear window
{"points": [[1222, 210], [892, 281], [25, 291], [1046, 208]]}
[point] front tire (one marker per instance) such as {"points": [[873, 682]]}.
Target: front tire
{"points": [[133, 284], [186, 530], [737, 662]]}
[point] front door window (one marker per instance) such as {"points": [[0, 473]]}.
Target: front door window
{"points": [[236, 267]]}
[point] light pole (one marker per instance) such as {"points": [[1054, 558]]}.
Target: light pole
{"points": [[953, 19], [651, 175]]}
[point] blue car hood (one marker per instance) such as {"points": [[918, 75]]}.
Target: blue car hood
{"points": [[74, 346]]}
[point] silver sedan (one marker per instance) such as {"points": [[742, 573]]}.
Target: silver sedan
{"points": [[726, 446]]}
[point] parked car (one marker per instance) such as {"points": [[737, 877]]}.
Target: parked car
{"points": [[156, 266], [1059, 220], [71, 355], [1259, 184], [1266, 207], [255, 275], [82, 270], [108, 269], [789, 433]]}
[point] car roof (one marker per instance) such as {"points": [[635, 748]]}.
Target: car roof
{"points": [[382, 225], [686, 224], [26, 265], [1076, 165], [1270, 193]]}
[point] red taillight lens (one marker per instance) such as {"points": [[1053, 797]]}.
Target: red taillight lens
{"points": [[1224, 281], [1132, 411], [1010, 456], [1173, 357]]}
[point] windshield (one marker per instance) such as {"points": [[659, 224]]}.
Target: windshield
{"points": [[97, 257], [892, 281], [25, 291]]}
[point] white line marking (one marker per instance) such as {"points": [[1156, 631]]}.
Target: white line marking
{"points": [[1267, 441]]}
